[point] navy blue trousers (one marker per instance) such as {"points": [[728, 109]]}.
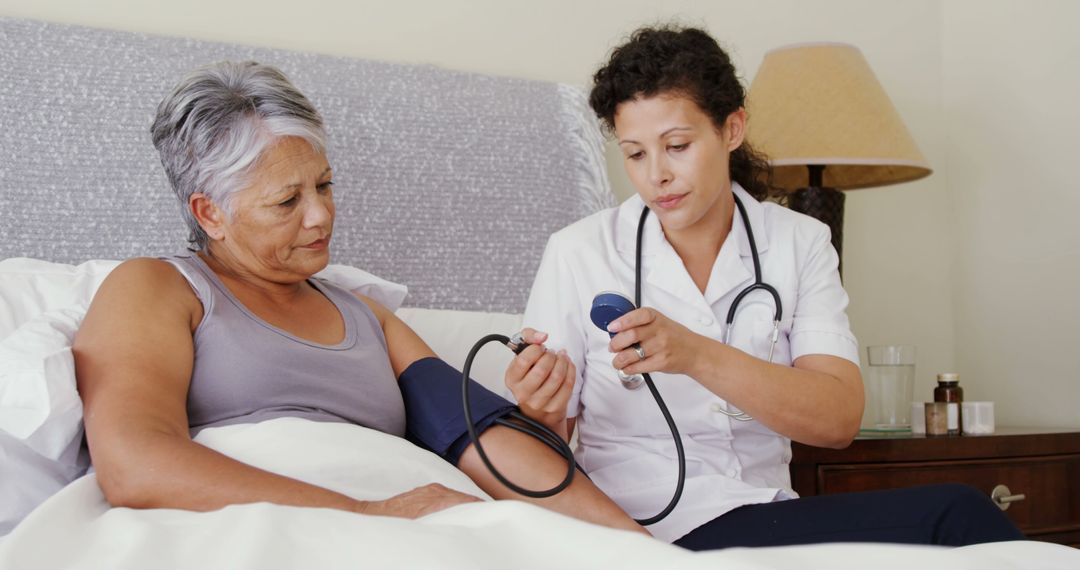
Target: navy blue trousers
{"points": [[952, 515]]}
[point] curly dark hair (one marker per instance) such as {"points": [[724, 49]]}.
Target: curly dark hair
{"points": [[688, 62]]}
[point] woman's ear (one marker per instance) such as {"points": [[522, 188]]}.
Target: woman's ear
{"points": [[209, 216], [735, 129]]}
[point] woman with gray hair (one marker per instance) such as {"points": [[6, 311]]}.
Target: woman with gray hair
{"points": [[238, 331]]}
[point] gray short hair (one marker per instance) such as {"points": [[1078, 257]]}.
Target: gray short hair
{"points": [[213, 127]]}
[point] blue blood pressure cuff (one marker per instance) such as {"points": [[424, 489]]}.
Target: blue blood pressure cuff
{"points": [[434, 418]]}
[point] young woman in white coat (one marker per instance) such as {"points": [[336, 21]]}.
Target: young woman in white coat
{"points": [[672, 100]]}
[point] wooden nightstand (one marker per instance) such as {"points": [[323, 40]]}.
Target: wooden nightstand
{"points": [[1043, 464]]}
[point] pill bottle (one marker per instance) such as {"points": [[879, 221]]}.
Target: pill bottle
{"points": [[949, 391], [935, 419]]}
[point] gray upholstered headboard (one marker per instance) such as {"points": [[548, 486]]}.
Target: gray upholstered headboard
{"points": [[447, 182]]}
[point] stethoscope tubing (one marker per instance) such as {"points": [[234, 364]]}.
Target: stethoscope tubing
{"points": [[680, 453], [758, 284]]}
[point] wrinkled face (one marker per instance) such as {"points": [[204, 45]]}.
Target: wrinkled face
{"points": [[281, 223], [676, 157]]}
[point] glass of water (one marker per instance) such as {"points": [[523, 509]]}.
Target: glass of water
{"points": [[890, 387]]}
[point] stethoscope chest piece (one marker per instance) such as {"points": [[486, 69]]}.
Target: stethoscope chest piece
{"points": [[631, 381]]}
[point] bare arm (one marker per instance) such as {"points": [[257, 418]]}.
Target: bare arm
{"points": [[133, 358], [404, 345], [817, 401]]}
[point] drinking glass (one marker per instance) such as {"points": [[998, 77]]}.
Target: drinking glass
{"points": [[890, 386]]}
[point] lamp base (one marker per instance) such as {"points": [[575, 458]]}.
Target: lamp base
{"points": [[825, 204]]}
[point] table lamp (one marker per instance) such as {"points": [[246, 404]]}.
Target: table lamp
{"points": [[826, 124]]}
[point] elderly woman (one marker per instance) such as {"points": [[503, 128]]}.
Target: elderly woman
{"points": [[238, 331]]}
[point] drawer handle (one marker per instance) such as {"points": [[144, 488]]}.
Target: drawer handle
{"points": [[1003, 497]]}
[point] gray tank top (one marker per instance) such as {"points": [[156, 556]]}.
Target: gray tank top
{"points": [[247, 370]]}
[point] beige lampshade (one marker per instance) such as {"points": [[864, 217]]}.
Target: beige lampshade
{"points": [[821, 104]]}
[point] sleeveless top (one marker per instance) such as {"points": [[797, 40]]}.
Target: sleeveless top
{"points": [[247, 370]]}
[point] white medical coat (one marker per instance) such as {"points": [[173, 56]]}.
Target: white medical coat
{"points": [[624, 444]]}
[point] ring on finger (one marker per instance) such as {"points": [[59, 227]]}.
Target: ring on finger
{"points": [[640, 351]]}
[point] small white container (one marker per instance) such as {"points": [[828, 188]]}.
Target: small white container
{"points": [[918, 418], [978, 418]]}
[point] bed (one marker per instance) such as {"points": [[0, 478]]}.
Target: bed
{"points": [[448, 185]]}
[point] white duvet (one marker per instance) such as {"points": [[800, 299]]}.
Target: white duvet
{"points": [[76, 528]]}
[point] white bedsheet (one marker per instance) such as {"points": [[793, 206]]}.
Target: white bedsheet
{"points": [[77, 529]]}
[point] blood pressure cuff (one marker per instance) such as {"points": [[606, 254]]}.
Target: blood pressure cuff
{"points": [[434, 418]]}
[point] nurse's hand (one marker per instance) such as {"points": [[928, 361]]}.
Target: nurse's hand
{"points": [[668, 346], [541, 382]]}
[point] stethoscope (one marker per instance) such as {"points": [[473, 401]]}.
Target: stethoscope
{"points": [[607, 307], [635, 381]]}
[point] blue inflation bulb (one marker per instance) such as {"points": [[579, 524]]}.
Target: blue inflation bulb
{"points": [[608, 306]]}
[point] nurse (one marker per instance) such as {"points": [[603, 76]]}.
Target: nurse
{"points": [[673, 101]]}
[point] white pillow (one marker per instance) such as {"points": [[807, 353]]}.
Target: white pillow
{"points": [[29, 287], [39, 404], [41, 428], [27, 479], [451, 334], [386, 293]]}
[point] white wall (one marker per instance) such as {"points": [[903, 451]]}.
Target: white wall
{"points": [[909, 249], [1012, 113]]}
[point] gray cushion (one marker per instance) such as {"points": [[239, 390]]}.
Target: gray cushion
{"points": [[447, 182]]}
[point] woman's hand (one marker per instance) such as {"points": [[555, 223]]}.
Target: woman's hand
{"points": [[541, 382], [667, 345], [421, 501]]}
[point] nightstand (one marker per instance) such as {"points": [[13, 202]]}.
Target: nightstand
{"points": [[1041, 464]]}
